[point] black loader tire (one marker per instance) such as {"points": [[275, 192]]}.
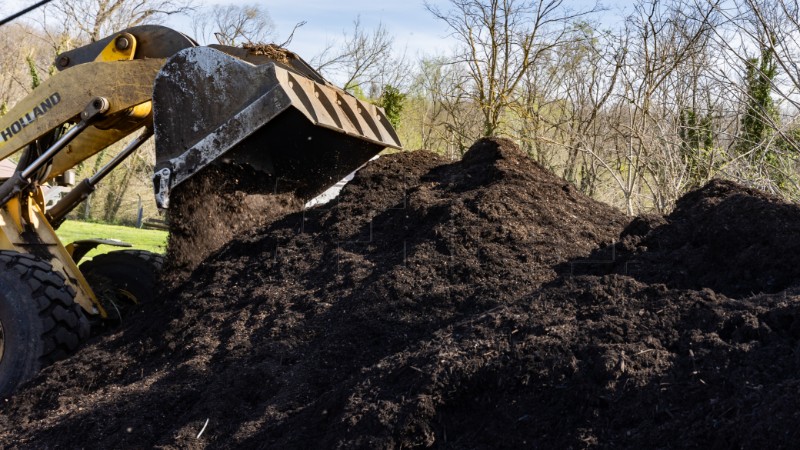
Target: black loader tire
{"points": [[123, 279], [40, 321]]}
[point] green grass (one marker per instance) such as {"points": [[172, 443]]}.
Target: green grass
{"points": [[151, 240]]}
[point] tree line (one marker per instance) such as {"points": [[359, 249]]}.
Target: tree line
{"points": [[632, 110], [637, 113]]}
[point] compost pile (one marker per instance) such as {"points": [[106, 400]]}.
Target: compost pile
{"points": [[723, 236], [476, 304]]}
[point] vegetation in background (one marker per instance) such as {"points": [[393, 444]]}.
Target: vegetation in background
{"points": [[761, 115], [34, 72], [697, 146], [392, 103]]}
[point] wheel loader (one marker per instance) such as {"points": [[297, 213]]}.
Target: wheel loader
{"points": [[258, 105]]}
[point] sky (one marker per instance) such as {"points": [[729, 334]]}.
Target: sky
{"points": [[415, 30], [413, 27]]}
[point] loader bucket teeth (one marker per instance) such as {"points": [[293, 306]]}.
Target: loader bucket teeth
{"points": [[212, 106]]}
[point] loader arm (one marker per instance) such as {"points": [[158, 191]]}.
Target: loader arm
{"points": [[61, 99], [117, 76], [120, 68]]}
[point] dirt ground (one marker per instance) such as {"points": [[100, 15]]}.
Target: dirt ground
{"points": [[484, 303]]}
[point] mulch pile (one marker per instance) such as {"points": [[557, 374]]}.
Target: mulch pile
{"points": [[476, 304]]}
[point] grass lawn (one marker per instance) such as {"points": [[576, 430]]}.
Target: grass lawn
{"points": [[152, 240]]}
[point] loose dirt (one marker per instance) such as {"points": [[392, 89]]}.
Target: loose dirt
{"points": [[217, 204], [463, 305]]}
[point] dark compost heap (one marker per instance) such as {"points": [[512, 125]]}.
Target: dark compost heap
{"points": [[476, 304]]}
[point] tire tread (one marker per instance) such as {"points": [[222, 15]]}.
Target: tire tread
{"points": [[64, 324]]}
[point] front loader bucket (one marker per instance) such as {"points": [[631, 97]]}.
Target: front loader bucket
{"points": [[212, 106]]}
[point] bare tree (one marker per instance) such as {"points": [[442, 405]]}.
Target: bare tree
{"points": [[761, 43], [363, 60], [774, 24], [14, 81], [458, 119], [233, 24], [588, 86], [562, 102], [500, 40], [660, 41], [91, 20]]}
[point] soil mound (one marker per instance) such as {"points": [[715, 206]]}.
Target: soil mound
{"points": [[422, 308], [723, 236], [275, 337], [589, 361]]}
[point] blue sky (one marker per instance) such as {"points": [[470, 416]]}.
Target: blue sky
{"points": [[412, 25], [415, 30], [408, 21]]}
